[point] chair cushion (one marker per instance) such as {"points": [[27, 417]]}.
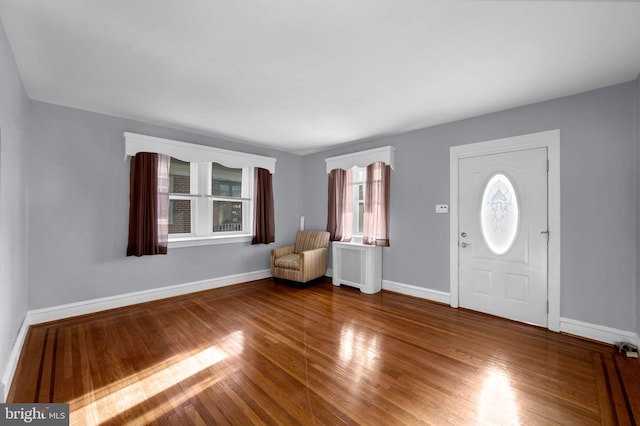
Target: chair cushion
{"points": [[289, 261], [309, 240]]}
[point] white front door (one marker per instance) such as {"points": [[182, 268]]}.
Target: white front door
{"points": [[503, 234]]}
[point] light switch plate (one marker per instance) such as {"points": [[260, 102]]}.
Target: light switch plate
{"points": [[442, 208]]}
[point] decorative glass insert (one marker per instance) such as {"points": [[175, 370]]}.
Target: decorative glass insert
{"points": [[499, 214]]}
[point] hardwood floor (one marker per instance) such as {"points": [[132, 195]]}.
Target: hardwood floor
{"points": [[272, 353]]}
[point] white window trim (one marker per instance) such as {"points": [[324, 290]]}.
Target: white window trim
{"points": [[209, 240], [386, 154], [194, 153]]}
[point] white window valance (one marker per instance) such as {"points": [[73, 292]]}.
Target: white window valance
{"points": [[193, 153], [385, 154]]}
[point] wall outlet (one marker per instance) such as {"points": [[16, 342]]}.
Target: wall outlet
{"points": [[442, 208]]}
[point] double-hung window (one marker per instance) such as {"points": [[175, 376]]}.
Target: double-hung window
{"points": [[182, 192], [230, 197], [208, 199], [352, 179], [210, 190], [358, 176]]}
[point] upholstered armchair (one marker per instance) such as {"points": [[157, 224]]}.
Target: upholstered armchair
{"points": [[305, 260]]}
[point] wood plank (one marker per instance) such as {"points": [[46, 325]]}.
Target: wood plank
{"points": [[627, 374], [272, 353]]}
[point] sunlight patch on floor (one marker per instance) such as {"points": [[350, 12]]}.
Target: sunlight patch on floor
{"points": [[119, 398], [158, 411]]}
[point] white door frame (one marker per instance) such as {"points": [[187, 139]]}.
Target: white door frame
{"points": [[549, 139]]}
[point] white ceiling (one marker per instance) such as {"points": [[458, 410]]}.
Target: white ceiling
{"points": [[303, 75]]}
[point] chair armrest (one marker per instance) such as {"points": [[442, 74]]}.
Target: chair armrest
{"points": [[276, 253], [314, 262]]}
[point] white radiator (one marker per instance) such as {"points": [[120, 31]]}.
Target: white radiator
{"points": [[357, 265]]}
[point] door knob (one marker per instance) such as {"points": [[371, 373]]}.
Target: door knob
{"points": [[463, 245]]}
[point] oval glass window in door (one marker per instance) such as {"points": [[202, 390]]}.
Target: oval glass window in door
{"points": [[499, 214]]}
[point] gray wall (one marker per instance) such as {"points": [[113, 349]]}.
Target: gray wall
{"points": [[78, 212], [13, 202], [599, 194], [638, 206]]}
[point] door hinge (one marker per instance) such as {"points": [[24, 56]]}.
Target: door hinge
{"points": [[547, 306], [547, 165]]}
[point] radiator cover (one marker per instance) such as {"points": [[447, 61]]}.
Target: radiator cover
{"points": [[357, 265]]}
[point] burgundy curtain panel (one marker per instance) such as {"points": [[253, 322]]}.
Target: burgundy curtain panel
{"points": [[340, 205], [376, 205], [264, 228], [148, 204]]}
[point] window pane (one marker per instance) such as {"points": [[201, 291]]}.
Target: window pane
{"points": [[224, 189], [179, 177], [226, 182], [179, 216], [360, 217], [227, 216], [499, 214]]}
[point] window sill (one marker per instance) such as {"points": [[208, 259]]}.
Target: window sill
{"points": [[356, 240], [207, 241]]}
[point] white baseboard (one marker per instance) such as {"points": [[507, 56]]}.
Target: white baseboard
{"points": [[570, 326], [53, 313], [596, 332], [586, 330], [14, 356], [69, 310], [421, 292]]}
